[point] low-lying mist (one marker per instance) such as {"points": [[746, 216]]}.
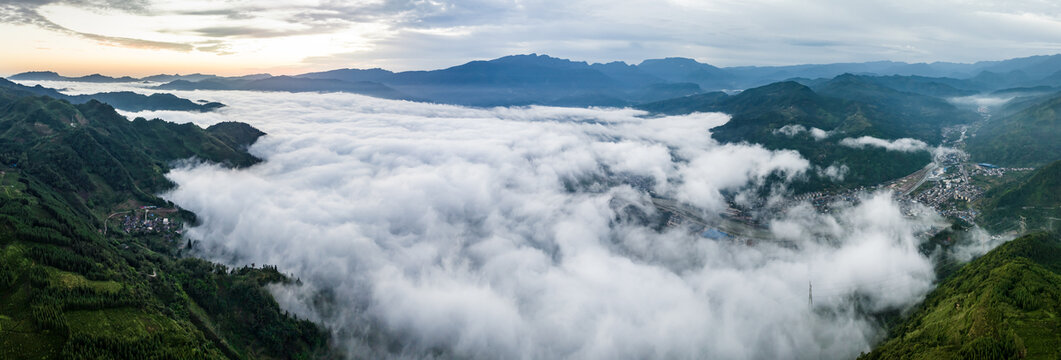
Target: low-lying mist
{"points": [[422, 230]]}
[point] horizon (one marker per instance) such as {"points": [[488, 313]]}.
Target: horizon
{"points": [[141, 75]]}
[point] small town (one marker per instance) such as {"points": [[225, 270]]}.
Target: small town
{"points": [[150, 220]]}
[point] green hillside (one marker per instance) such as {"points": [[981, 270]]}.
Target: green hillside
{"points": [[1035, 202], [1027, 138], [845, 107], [894, 113], [86, 272], [1003, 305], [125, 100]]}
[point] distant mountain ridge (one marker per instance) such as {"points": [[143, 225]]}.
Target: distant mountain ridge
{"points": [[52, 76], [545, 80], [125, 100]]}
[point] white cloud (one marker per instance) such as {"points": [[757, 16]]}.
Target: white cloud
{"points": [[982, 100], [976, 243], [904, 144], [792, 130], [501, 233], [834, 172]]}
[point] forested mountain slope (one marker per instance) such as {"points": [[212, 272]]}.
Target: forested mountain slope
{"points": [[1003, 305], [815, 122], [90, 258], [1029, 137], [125, 100], [1033, 203]]}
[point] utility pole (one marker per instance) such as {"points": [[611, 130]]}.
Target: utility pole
{"points": [[810, 294]]}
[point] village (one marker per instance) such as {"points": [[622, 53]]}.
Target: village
{"points": [[148, 219]]}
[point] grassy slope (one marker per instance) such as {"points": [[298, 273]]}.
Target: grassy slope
{"points": [[1003, 305], [67, 291]]}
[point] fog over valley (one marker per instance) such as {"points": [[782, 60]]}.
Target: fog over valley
{"points": [[518, 232], [533, 180]]}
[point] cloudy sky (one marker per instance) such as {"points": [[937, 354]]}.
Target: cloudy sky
{"points": [[141, 37]]}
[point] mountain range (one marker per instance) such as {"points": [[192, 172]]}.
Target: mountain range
{"points": [[540, 79], [71, 291], [125, 100]]}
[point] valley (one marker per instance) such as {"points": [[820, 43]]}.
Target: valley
{"points": [[873, 201]]}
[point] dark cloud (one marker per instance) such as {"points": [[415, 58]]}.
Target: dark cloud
{"points": [[260, 33], [136, 43], [214, 46], [231, 13]]}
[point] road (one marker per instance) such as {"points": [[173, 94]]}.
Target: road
{"points": [[731, 227], [921, 176], [105, 221]]}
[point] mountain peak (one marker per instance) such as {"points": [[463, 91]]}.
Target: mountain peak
{"points": [[538, 60], [36, 75]]}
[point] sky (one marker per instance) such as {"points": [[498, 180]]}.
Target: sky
{"points": [[142, 37]]}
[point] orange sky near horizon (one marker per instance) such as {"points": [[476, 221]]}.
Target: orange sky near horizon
{"points": [[43, 50]]}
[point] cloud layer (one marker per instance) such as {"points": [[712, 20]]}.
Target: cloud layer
{"points": [[903, 145], [792, 130], [530, 233]]}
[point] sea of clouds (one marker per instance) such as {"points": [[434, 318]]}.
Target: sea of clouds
{"points": [[430, 230]]}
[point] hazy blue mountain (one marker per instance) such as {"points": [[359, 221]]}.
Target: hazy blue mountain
{"points": [[174, 77], [125, 100], [524, 80], [984, 75], [288, 83], [1033, 66], [261, 76], [517, 71], [631, 75], [688, 70], [541, 79], [209, 84], [377, 75], [52, 76], [932, 86], [130, 101], [38, 75]]}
